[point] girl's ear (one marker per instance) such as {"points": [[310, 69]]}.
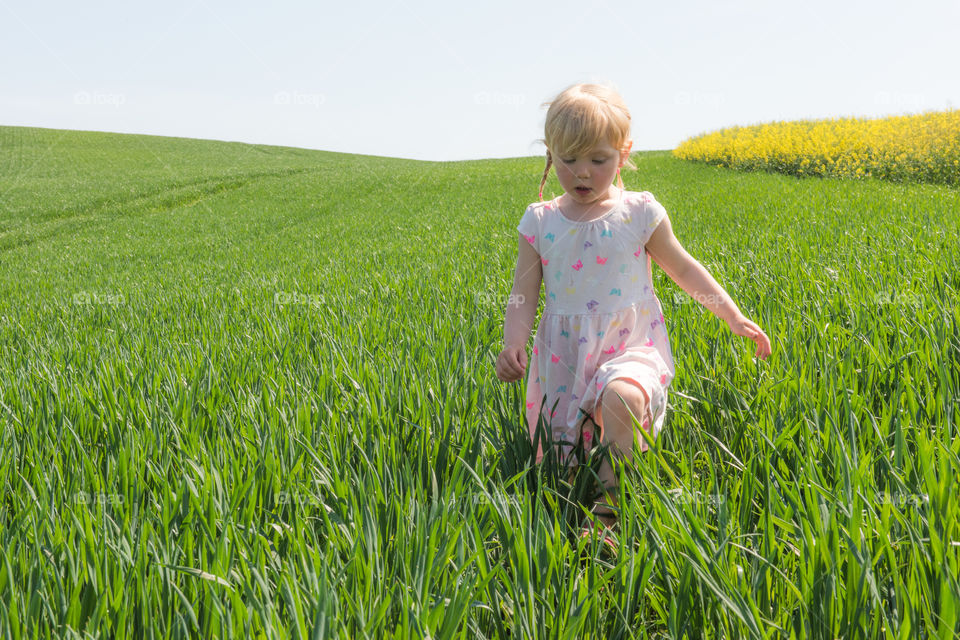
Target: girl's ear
{"points": [[625, 152]]}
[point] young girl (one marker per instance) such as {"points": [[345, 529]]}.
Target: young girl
{"points": [[601, 351]]}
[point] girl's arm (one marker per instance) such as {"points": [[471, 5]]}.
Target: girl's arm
{"points": [[692, 277], [522, 305]]}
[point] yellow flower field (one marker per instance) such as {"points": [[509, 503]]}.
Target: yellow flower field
{"points": [[917, 148]]}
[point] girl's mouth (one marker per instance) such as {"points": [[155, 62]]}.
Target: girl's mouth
{"points": [[583, 190]]}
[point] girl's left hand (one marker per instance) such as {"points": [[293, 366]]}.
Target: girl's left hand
{"points": [[742, 326]]}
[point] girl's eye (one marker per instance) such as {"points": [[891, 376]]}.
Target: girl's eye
{"points": [[570, 161], [599, 161]]}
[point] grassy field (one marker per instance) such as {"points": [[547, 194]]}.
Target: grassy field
{"points": [[248, 391]]}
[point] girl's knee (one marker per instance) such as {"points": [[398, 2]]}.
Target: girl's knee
{"points": [[610, 401], [631, 393]]}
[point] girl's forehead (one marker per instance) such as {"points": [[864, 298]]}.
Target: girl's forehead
{"points": [[600, 147]]}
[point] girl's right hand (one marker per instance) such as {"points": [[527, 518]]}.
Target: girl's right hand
{"points": [[511, 364]]}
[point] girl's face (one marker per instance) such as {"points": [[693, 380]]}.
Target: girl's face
{"points": [[587, 178]]}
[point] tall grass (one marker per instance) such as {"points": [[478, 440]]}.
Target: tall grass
{"points": [[249, 392]]}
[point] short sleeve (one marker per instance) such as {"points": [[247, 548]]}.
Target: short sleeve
{"points": [[529, 227], [653, 214]]}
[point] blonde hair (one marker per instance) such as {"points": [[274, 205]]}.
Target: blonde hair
{"points": [[581, 116]]}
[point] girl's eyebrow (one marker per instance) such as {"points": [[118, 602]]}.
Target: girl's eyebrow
{"points": [[592, 154]]}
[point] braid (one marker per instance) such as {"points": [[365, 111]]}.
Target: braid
{"points": [[546, 172]]}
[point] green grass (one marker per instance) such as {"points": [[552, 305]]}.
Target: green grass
{"points": [[248, 391]]}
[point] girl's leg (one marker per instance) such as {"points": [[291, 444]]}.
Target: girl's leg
{"points": [[620, 397]]}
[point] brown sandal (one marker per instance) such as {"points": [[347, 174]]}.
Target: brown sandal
{"points": [[607, 534]]}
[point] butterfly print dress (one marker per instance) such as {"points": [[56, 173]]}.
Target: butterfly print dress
{"points": [[601, 319]]}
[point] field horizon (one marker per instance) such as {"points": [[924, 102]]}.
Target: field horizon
{"points": [[277, 146]]}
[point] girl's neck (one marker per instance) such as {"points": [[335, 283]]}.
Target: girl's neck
{"points": [[596, 209]]}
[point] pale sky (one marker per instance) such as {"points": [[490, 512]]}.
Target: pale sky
{"points": [[453, 81]]}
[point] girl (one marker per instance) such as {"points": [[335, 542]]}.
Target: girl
{"points": [[601, 351]]}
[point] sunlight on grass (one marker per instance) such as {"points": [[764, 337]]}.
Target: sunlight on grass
{"points": [[249, 392]]}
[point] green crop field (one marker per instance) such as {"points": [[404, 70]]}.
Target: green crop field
{"points": [[248, 391]]}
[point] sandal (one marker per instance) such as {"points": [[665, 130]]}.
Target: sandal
{"points": [[603, 522], [608, 538]]}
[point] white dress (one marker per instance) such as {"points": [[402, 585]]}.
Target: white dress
{"points": [[601, 318]]}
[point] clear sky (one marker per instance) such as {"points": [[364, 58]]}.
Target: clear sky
{"points": [[440, 80]]}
